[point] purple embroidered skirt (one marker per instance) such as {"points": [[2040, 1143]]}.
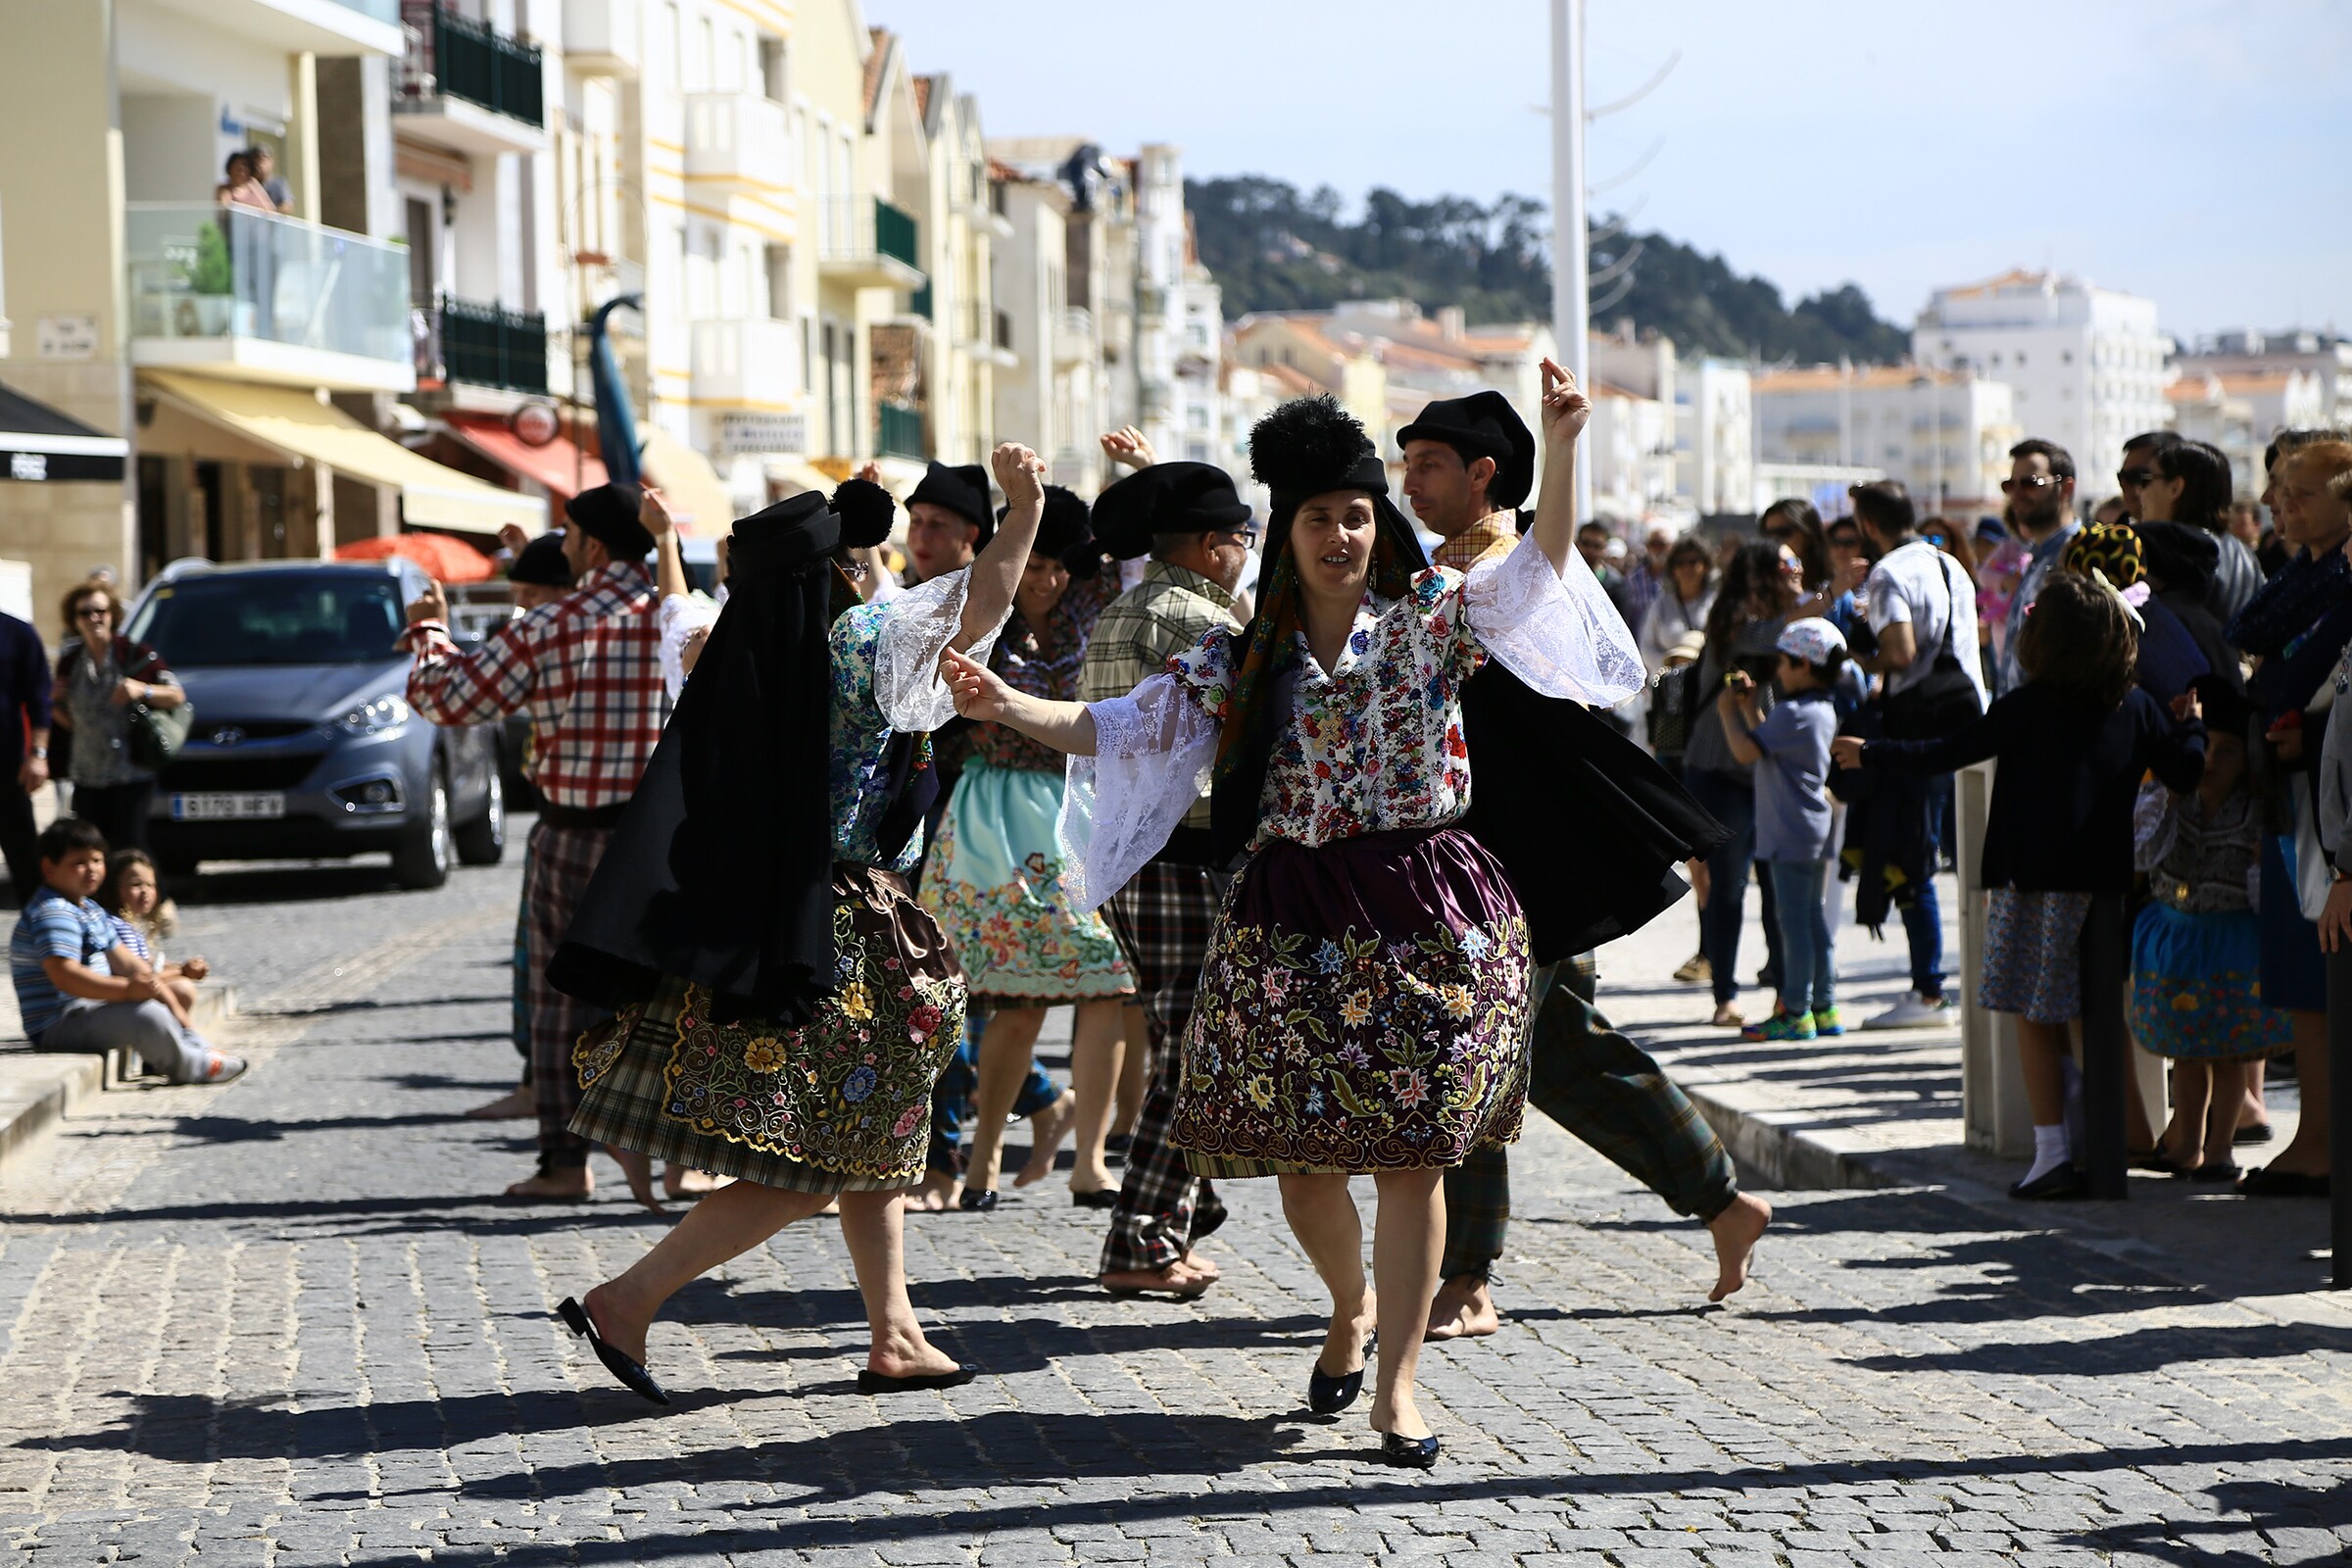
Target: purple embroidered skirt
{"points": [[1363, 1008]]}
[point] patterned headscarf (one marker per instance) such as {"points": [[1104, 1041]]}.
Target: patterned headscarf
{"points": [[2111, 548]]}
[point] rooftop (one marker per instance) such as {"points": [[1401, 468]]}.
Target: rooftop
{"points": [[1865, 377]]}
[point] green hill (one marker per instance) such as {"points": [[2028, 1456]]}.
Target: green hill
{"points": [[1274, 249]]}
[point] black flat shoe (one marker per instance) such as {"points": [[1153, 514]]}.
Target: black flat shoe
{"points": [[2264, 1182], [1118, 1142], [1408, 1454], [634, 1378], [871, 1382], [2225, 1171], [2259, 1133], [2058, 1182], [980, 1202], [1327, 1394], [1100, 1197]]}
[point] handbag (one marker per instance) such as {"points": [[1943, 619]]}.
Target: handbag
{"points": [[156, 734], [1674, 699], [1942, 702]]}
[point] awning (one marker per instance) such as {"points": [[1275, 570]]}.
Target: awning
{"points": [[40, 445], [293, 421], [559, 467], [697, 497], [792, 475]]}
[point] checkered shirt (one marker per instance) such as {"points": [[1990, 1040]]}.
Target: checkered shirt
{"points": [[587, 670], [1490, 537], [1166, 614]]}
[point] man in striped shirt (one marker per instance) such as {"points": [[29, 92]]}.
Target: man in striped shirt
{"points": [[587, 670]]}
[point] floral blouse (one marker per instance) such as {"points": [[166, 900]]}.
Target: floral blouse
{"points": [[1045, 664], [1373, 744]]}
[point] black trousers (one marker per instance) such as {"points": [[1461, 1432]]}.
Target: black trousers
{"points": [[119, 810], [19, 843]]}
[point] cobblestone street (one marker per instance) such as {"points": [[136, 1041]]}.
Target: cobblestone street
{"points": [[282, 1323]]}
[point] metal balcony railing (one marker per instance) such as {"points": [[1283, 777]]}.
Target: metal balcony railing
{"points": [[489, 344], [898, 431], [454, 56], [206, 272], [858, 228]]}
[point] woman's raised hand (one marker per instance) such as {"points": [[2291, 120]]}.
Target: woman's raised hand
{"points": [[978, 693], [1021, 474], [1566, 409]]}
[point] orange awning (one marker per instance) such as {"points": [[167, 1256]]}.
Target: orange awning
{"points": [[447, 559], [562, 469]]}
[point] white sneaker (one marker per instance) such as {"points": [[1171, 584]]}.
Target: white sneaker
{"points": [[1915, 1011]]}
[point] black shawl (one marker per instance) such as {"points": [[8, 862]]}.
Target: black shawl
{"points": [[720, 870]]}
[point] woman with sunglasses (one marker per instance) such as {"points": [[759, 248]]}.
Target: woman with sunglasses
{"points": [[101, 676], [1759, 596]]}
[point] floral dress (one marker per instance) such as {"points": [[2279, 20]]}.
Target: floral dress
{"points": [[993, 880], [1365, 998], [842, 1102]]}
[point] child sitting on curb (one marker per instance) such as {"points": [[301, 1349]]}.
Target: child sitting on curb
{"points": [[133, 897]]}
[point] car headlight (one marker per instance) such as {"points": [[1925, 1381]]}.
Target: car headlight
{"points": [[376, 717]]}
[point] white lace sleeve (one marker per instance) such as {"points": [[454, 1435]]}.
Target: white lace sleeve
{"points": [[919, 625], [1556, 631], [1153, 752], [2155, 827], [680, 617]]}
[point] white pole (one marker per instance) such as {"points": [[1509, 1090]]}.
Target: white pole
{"points": [[1571, 314]]}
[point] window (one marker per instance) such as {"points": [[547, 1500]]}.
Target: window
{"points": [[778, 264], [706, 57]]}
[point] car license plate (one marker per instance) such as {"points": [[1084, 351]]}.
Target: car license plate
{"points": [[236, 806]]}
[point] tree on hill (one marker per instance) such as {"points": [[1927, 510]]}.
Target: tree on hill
{"points": [[1274, 249]]}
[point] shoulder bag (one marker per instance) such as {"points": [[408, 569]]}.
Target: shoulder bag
{"points": [[1943, 700]]}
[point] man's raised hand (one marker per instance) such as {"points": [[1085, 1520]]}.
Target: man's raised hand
{"points": [[1566, 409], [430, 604]]}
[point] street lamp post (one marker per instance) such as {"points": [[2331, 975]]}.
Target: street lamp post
{"points": [[1571, 314]]}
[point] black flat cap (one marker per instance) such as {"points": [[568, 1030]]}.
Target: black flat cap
{"points": [[1483, 425], [962, 488], [1166, 498], [607, 513], [542, 563]]}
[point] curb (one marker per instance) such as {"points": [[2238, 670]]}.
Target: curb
{"points": [[40, 1088]]}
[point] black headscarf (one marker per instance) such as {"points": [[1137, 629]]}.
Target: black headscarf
{"points": [[720, 870]]}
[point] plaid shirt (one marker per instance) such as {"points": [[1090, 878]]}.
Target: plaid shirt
{"points": [[586, 668], [1168, 611], [1490, 537]]}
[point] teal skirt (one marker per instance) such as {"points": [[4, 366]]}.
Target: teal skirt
{"points": [[2196, 987], [992, 881]]}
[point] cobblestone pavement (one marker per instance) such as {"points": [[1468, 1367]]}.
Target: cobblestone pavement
{"points": [[279, 1323]]}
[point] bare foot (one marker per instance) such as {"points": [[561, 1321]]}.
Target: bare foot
{"points": [[1180, 1278], [1047, 1128], [938, 1192], [569, 1184], [1464, 1309], [512, 1106], [639, 1170], [902, 1355], [615, 1324], [1201, 1265], [1736, 1230], [684, 1181]]}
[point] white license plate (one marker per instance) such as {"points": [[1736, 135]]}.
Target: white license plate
{"points": [[237, 807]]}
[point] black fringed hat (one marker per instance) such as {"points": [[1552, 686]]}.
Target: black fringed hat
{"points": [[867, 512], [1483, 425], [607, 513], [1064, 531], [962, 488], [542, 563], [1310, 447], [1167, 499]]}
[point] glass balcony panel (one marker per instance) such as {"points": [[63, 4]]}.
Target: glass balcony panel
{"points": [[207, 271]]}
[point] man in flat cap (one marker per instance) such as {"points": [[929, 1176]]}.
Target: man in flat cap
{"points": [[587, 670], [949, 521], [1187, 520], [1469, 462]]}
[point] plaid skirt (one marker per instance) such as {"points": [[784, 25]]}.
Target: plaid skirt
{"points": [[842, 1104]]}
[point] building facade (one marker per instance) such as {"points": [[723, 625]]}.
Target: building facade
{"points": [[1946, 434]]}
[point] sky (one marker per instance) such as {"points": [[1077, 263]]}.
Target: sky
{"points": [[2192, 152]]}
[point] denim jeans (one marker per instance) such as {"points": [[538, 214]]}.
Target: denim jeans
{"points": [[1808, 958], [959, 1081], [1923, 917], [1731, 799]]}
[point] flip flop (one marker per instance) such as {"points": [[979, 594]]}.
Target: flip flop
{"points": [[636, 1379], [871, 1382]]}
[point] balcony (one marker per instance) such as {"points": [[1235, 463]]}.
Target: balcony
{"points": [[738, 140], [483, 345], [331, 27], [601, 37], [898, 431], [257, 297], [985, 333], [1073, 335], [865, 242], [749, 363], [468, 87]]}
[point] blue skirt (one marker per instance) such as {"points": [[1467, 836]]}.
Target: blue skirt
{"points": [[2295, 978], [2196, 987]]}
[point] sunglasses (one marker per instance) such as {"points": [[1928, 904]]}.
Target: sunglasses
{"points": [[2031, 482], [93, 613], [2136, 477]]}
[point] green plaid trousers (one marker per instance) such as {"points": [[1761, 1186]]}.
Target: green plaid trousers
{"points": [[1607, 1090]]}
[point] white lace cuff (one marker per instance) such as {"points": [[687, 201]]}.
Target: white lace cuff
{"points": [[919, 625], [1556, 631], [1153, 753], [680, 617]]}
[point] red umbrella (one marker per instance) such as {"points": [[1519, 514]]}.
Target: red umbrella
{"points": [[447, 559]]}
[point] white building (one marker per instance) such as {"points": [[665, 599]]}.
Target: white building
{"points": [[1629, 448], [2240, 412], [1179, 318], [1946, 434], [1714, 435], [2324, 356], [2085, 364]]}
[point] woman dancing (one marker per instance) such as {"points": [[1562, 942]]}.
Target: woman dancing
{"points": [[1364, 1004], [784, 1005]]}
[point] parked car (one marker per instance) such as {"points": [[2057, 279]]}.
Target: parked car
{"points": [[304, 745]]}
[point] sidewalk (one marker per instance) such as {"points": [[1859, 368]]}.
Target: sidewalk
{"points": [[1883, 1109]]}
